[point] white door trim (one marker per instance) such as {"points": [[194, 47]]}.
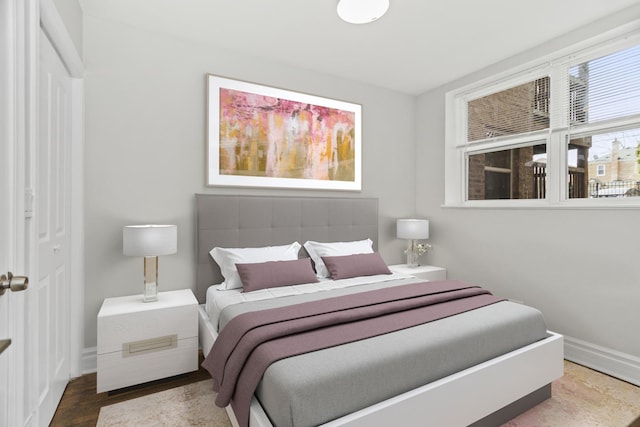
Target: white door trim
{"points": [[19, 71], [7, 190], [77, 228]]}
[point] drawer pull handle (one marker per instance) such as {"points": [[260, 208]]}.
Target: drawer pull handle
{"points": [[136, 348]]}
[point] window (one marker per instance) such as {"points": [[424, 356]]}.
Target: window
{"points": [[520, 109], [516, 173], [562, 131], [605, 90]]}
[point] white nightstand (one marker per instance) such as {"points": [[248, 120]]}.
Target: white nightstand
{"points": [[140, 342], [426, 272]]}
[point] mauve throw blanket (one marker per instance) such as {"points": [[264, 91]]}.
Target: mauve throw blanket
{"points": [[252, 341]]}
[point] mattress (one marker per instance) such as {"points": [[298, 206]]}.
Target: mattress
{"points": [[318, 387]]}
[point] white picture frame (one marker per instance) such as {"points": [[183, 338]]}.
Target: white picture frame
{"points": [[261, 136]]}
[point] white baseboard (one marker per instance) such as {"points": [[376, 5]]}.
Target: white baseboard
{"points": [[617, 364], [89, 361]]}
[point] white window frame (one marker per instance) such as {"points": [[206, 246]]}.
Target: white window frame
{"points": [[601, 169], [557, 137]]}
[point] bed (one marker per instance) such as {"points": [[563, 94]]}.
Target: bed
{"points": [[489, 390]]}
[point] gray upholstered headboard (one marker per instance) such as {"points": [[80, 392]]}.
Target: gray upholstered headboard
{"points": [[254, 221]]}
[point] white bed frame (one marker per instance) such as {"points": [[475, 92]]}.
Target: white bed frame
{"points": [[485, 394], [480, 390]]}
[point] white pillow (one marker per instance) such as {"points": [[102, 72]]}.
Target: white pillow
{"points": [[317, 250], [227, 258]]}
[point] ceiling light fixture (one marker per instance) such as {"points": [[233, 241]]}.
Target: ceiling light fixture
{"points": [[362, 11]]}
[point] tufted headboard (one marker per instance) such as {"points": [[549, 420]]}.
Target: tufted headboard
{"points": [[254, 221]]}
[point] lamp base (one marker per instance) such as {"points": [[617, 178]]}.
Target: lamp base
{"points": [[150, 292], [150, 279], [412, 259], [412, 255]]}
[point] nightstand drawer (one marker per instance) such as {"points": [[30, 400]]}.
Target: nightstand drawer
{"points": [[113, 331], [118, 369]]}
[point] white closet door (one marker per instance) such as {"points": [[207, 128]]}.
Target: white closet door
{"points": [[52, 285]]}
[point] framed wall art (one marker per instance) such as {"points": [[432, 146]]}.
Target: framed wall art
{"points": [[260, 136]]}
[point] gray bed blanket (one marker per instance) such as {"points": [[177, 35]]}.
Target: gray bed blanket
{"points": [[314, 388], [253, 341]]}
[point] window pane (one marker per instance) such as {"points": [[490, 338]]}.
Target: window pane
{"points": [[604, 165], [605, 88], [513, 111], [517, 173]]}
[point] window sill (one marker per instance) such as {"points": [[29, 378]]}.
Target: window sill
{"points": [[545, 205]]}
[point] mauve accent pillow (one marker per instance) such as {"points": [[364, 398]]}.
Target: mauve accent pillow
{"points": [[271, 274], [346, 266], [227, 258], [317, 250]]}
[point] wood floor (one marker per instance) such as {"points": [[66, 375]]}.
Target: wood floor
{"points": [[80, 404]]}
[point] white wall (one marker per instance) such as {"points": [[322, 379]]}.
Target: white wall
{"points": [[579, 267], [145, 148]]}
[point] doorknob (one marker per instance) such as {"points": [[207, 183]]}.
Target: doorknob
{"points": [[14, 283]]}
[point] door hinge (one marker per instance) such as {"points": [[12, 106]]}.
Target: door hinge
{"points": [[29, 197]]}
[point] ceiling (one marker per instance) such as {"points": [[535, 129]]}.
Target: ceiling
{"points": [[416, 46]]}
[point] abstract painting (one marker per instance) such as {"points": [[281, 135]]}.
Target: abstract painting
{"points": [[261, 136]]}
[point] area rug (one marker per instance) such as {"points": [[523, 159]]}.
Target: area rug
{"points": [[584, 398], [188, 405], [581, 398]]}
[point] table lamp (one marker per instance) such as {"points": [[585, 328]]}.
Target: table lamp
{"points": [[412, 229], [150, 241]]}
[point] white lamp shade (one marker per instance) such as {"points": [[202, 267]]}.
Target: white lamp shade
{"points": [[149, 240], [362, 11], [412, 229]]}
